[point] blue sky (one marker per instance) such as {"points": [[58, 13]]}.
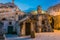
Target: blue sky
{"points": [[26, 4]]}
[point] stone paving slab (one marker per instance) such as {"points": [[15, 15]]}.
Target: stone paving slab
{"points": [[40, 36]]}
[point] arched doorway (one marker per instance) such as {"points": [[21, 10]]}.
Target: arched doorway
{"points": [[10, 28], [27, 28]]}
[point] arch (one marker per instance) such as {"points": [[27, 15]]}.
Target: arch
{"points": [[4, 19]]}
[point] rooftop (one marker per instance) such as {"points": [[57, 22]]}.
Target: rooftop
{"points": [[7, 5], [55, 6]]}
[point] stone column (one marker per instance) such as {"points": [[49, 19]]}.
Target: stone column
{"points": [[23, 30], [32, 27], [32, 30], [18, 30]]}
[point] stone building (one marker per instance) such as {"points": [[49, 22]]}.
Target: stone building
{"points": [[9, 13], [27, 26], [36, 23], [54, 11], [43, 24], [15, 21]]}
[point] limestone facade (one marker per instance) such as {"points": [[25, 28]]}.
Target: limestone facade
{"points": [[54, 11]]}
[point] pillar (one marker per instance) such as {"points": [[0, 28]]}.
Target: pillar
{"points": [[32, 27], [23, 30], [32, 30]]}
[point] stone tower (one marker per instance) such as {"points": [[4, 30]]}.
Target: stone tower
{"points": [[39, 11]]}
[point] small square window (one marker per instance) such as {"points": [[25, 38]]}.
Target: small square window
{"points": [[10, 23]]}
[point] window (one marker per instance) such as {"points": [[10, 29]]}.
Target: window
{"points": [[11, 6], [10, 23]]}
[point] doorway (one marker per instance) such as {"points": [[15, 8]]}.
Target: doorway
{"points": [[10, 29], [28, 28]]}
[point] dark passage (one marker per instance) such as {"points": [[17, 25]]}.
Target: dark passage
{"points": [[10, 29], [28, 28]]}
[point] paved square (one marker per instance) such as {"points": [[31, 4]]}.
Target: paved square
{"points": [[39, 36]]}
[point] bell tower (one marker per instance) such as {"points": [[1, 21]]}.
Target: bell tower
{"points": [[13, 1], [39, 10]]}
